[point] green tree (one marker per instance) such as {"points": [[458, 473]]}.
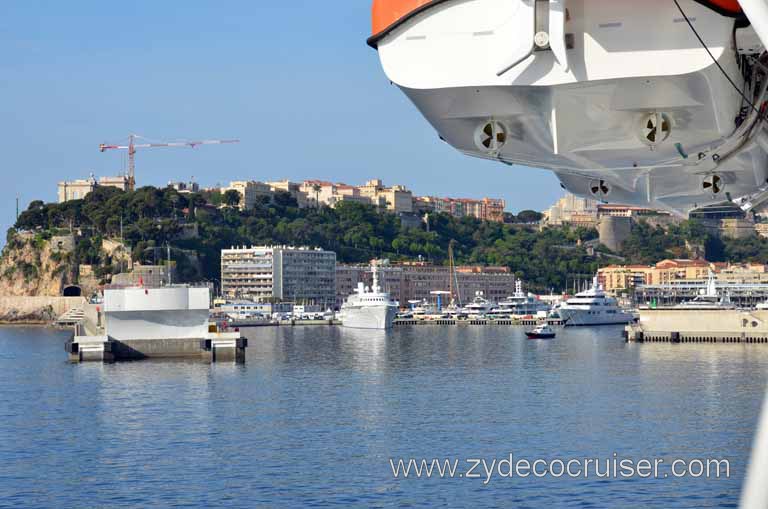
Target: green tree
{"points": [[232, 198]]}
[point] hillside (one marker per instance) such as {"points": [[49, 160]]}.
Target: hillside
{"points": [[197, 226], [196, 230]]}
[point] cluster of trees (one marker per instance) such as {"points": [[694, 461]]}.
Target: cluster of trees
{"points": [[149, 218]]}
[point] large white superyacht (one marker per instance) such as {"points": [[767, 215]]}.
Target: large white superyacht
{"points": [[369, 308], [592, 307]]}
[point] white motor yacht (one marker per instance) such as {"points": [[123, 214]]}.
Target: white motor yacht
{"points": [[520, 304], [480, 306], [369, 308], [592, 307]]}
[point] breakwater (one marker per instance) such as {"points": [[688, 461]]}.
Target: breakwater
{"points": [[36, 310]]}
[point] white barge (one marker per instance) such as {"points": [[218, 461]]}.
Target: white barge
{"points": [[142, 322]]}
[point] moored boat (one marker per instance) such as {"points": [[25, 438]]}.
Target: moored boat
{"points": [[542, 331], [369, 308]]}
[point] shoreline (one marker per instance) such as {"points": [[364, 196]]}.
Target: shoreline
{"points": [[46, 325]]}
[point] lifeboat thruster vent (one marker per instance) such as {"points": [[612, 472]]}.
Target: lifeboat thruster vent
{"points": [[713, 184], [655, 128], [491, 136], [599, 188]]}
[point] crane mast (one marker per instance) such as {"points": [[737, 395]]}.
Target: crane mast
{"points": [[132, 146]]}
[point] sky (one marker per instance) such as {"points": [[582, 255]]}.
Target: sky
{"points": [[294, 81]]}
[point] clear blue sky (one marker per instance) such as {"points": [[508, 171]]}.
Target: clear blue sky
{"points": [[294, 81]]}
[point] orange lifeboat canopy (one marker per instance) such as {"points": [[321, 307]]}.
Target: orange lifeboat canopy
{"points": [[388, 14]]}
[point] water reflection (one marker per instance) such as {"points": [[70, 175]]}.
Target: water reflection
{"points": [[313, 415], [364, 350]]}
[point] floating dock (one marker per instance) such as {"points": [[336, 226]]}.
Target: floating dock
{"points": [[674, 325], [137, 323]]}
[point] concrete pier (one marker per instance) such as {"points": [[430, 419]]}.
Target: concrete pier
{"points": [[90, 349], [214, 347], [671, 325]]}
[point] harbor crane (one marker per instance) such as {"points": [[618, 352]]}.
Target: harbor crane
{"points": [[133, 145]]}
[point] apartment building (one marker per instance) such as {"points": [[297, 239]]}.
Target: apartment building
{"points": [[486, 209], [572, 209], [279, 274], [185, 187], [617, 278], [395, 199]]}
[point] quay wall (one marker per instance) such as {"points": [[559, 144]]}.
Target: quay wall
{"points": [[700, 326], [36, 310], [732, 321], [157, 348]]}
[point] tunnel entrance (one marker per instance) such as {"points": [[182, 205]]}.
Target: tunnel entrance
{"points": [[73, 291]]}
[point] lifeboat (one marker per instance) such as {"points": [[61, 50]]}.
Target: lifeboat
{"points": [[388, 14], [620, 99]]}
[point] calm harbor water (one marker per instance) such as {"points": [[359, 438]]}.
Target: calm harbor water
{"points": [[315, 415]]}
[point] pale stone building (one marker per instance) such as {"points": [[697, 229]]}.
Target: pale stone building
{"points": [[396, 199], [572, 209], [486, 209], [250, 191], [79, 189], [292, 188]]}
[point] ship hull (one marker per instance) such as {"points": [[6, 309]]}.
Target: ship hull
{"points": [[582, 317], [369, 317]]}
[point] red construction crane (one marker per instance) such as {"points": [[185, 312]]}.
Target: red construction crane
{"points": [[132, 146]]}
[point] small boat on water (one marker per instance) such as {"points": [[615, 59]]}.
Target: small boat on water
{"points": [[542, 331]]}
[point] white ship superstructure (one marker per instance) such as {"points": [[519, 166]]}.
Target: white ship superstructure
{"points": [[708, 299], [480, 306], [654, 104], [520, 304], [369, 308], [592, 307]]}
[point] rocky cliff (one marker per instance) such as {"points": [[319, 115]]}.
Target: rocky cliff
{"points": [[32, 265]]}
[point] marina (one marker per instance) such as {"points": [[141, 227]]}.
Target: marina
{"points": [[371, 391], [286, 290]]}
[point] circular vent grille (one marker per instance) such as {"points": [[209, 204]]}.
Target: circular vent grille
{"points": [[491, 136], [599, 188], [655, 128], [713, 184]]}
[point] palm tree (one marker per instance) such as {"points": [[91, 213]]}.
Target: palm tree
{"points": [[317, 188]]}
